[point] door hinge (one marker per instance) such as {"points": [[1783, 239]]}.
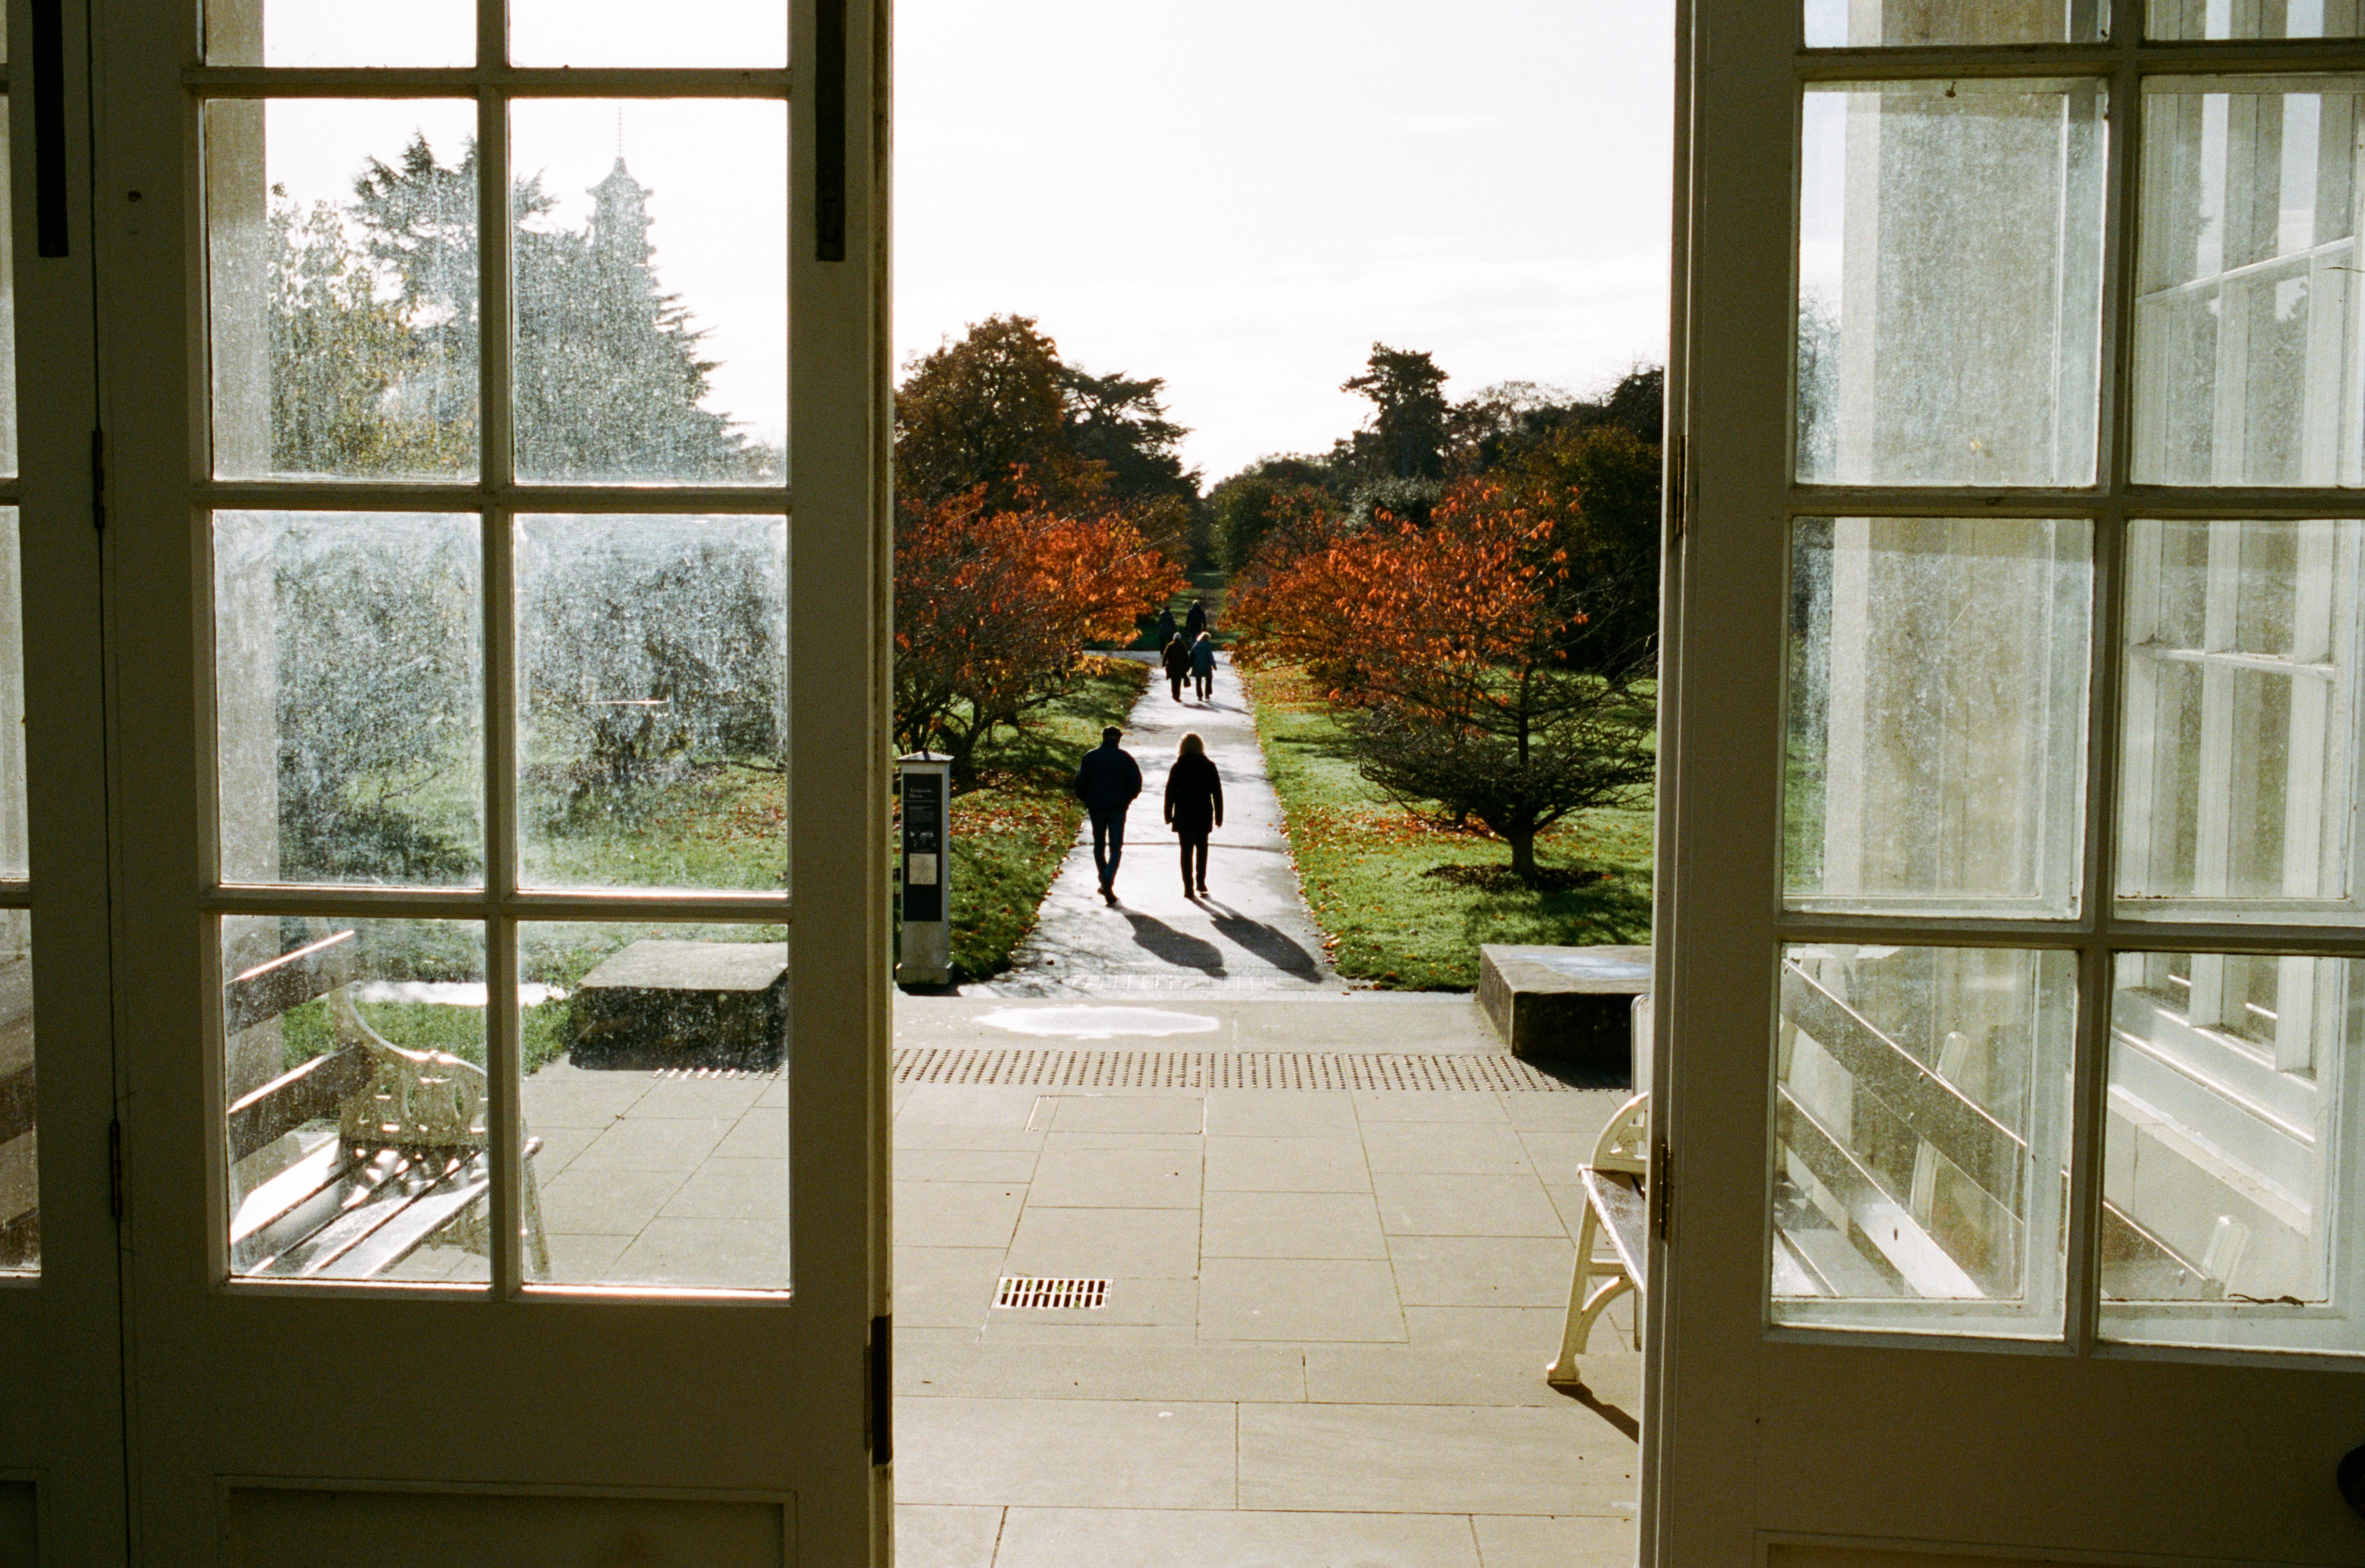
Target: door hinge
{"points": [[1680, 489], [878, 1413], [1663, 1182], [115, 1169], [98, 480]]}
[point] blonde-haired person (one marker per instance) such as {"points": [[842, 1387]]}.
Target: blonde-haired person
{"points": [[1203, 667], [1194, 808]]}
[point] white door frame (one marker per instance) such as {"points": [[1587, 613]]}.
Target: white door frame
{"points": [[1765, 1441], [531, 1391]]}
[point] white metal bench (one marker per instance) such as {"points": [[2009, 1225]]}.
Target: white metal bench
{"points": [[1617, 1212]]}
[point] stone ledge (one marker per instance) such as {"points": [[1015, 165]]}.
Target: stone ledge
{"points": [[1565, 1005]]}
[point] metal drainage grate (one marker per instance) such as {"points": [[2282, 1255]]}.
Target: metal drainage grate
{"points": [[703, 1074], [1217, 1069], [1020, 1290]]}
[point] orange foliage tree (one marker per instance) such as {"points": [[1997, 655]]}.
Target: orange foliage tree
{"points": [[1452, 650], [993, 606]]}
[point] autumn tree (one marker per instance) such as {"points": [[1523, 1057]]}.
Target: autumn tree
{"points": [[993, 605], [1243, 506], [1452, 663]]}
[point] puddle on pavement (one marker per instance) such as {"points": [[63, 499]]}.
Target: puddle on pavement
{"points": [[1098, 1023]]}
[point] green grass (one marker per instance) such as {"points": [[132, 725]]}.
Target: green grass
{"points": [[1365, 863], [1010, 834], [719, 825]]}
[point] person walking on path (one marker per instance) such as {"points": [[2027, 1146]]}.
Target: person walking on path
{"points": [[1203, 665], [1194, 808], [1106, 782], [1165, 627], [1177, 660], [1196, 621]]}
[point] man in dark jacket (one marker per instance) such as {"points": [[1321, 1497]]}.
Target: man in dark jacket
{"points": [[1106, 782]]}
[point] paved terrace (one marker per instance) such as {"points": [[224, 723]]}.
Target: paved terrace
{"points": [[1329, 1309]]}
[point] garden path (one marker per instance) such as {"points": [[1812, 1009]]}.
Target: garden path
{"points": [[1252, 932]]}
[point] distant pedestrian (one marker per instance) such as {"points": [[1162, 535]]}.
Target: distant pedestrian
{"points": [[1196, 621], [1106, 782], [1165, 627], [1177, 660], [1203, 665], [1194, 808]]}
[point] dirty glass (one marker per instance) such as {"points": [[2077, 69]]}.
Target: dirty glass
{"points": [[1949, 283], [20, 1191], [355, 1076], [340, 237], [340, 33], [1854, 24], [349, 680], [656, 1106], [2227, 1216], [746, 34], [2238, 765], [651, 286], [15, 857], [653, 701], [1937, 706], [2247, 312], [1920, 1116], [2253, 18]]}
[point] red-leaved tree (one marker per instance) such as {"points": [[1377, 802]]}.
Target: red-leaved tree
{"points": [[993, 606], [1452, 650]]}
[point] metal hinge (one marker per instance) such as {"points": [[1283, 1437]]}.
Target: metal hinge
{"points": [[879, 1414], [1663, 1182], [98, 480], [115, 1169], [1679, 485]]}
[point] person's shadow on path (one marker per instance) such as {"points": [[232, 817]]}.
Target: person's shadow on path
{"points": [[1172, 946], [1263, 940]]}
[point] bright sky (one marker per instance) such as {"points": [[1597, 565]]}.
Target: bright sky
{"points": [[1241, 196]]}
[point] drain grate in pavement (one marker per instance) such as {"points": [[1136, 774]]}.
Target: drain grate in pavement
{"points": [[1024, 1291], [1216, 1070], [701, 1074]]}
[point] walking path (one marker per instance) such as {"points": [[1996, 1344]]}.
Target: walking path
{"points": [[1252, 933]]}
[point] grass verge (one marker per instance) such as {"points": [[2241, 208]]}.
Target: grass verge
{"points": [[1010, 834], [1405, 903]]}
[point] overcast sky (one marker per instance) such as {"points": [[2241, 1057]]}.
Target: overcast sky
{"points": [[1241, 196]]}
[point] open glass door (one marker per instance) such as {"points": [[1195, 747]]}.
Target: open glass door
{"points": [[505, 1160], [2011, 917], [61, 1442]]}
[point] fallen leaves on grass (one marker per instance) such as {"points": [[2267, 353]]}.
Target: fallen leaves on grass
{"points": [[1503, 880]]}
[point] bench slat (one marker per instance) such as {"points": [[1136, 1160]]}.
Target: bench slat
{"points": [[1924, 1265], [1624, 1217], [319, 1088]]}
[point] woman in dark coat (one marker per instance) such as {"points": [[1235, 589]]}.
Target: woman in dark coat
{"points": [[1195, 805], [1177, 660]]}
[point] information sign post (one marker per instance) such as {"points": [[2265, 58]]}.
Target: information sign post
{"points": [[927, 946]]}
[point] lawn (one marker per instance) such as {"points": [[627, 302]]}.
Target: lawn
{"points": [[1404, 901], [1010, 834]]}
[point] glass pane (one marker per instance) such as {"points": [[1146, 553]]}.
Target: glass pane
{"points": [[15, 857], [342, 238], [2253, 18], [2238, 778], [1938, 669], [744, 34], [1921, 1115], [21, 1209], [2223, 1153], [1872, 24], [341, 32], [2247, 358], [8, 309], [657, 1108], [1950, 283], [350, 696], [651, 289], [652, 709], [356, 1135]]}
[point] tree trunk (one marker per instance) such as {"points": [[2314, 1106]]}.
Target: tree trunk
{"points": [[1523, 853]]}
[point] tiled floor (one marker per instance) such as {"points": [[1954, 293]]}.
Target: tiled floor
{"points": [[1328, 1317]]}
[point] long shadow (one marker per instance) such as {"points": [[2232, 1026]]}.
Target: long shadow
{"points": [[1169, 946], [1603, 1408], [1266, 943]]}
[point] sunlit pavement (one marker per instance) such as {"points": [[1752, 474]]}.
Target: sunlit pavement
{"points": [[1328, 1311], [1252, 933]]}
